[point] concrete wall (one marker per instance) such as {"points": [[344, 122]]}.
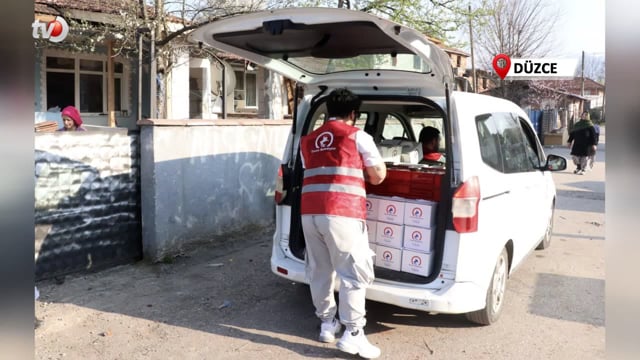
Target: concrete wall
{"points": [[87, 200], [202, 179]]}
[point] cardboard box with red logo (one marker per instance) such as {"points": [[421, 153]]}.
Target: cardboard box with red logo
{"points": [[389, 234], [421, 213], [418, 239], [388, 257], [371, 204], [416, 262], [391, 210]]}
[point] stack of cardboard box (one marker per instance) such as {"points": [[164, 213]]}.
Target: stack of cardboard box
{"points": [[401, 233]]}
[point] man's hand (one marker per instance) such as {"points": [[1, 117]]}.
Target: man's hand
{"points": [[375, 174]]}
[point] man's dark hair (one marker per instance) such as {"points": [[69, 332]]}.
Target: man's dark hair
{"points": [[341, 102], [428, 133]]}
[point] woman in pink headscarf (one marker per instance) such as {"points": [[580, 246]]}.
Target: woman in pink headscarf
{"points": [[71, 120]]}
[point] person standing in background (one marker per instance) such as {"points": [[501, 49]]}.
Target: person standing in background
{"points": [[592, 156], [582, 140]]}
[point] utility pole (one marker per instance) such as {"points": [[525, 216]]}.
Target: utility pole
{"points": [[152, 77], [111, 94], [582, 75], [473, 63], [158, 63]]}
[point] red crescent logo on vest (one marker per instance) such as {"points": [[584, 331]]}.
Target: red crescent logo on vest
{"points": [[324, 140]]}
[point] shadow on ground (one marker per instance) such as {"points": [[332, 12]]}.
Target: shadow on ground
{"points": [[228, 290], [569, 298]]}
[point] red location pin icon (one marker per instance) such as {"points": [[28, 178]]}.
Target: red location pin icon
{"points": [[501, 64]]}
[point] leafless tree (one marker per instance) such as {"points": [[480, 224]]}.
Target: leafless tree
{"points": [[518, 28], [594, 66]]}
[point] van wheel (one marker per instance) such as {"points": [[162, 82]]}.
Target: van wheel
{"points": [[546, 240], [495, 293]]}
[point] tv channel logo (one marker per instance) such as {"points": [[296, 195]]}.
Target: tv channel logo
{"points": [[55, 30]]}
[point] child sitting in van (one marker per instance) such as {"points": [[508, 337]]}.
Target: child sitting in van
{"points": [[430, 139]]}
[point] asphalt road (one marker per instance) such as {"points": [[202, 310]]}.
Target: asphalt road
{"points": [[222, 302]]}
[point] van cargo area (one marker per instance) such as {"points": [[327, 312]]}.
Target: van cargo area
{"points": [[407, 249]]}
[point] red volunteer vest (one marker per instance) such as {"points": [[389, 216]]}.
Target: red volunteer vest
{"points": [[333, 178], [434, 156]]}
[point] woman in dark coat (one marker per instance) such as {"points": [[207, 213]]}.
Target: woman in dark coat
{"points": [[582, 140]]}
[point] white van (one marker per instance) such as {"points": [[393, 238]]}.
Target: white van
{"points": [[493, 199]]}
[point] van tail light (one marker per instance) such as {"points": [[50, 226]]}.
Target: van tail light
{"points": [[280, 193], [465, 206]]}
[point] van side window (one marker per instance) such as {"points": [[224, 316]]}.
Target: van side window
{"points": [[318, 122], [503, 144], [394, 129], [489, 142], [361, 120], [531, 145]]}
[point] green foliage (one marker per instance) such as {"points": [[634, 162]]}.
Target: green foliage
{"points": [[436, 18]]}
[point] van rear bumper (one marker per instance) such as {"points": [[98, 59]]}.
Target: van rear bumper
{"points": [[452, 298]]}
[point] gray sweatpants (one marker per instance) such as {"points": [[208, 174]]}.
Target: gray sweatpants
{"points": [[338, 246], [580, 161]]}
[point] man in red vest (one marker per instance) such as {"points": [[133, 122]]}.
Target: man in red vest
{"points": [[430, 139], [338, 158]]}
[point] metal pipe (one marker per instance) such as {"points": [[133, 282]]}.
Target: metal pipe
{"points": [[224, 85], [224, 90], [152, 76], [139, 76], [473, 62]]}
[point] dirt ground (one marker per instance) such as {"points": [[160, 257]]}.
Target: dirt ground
{"points": [[200, 306]]}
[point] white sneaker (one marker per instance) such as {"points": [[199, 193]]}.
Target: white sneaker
{"points": [[328, 330], [356, 343]]}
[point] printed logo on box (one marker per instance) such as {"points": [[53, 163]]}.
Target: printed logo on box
{"points": [[416, 236], [369, 205], [416, 213], [388, 232], [416, 261], [387, 255], [391, 210]]}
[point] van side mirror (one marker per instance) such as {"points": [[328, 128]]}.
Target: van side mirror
{"points": [[555, 163]]}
